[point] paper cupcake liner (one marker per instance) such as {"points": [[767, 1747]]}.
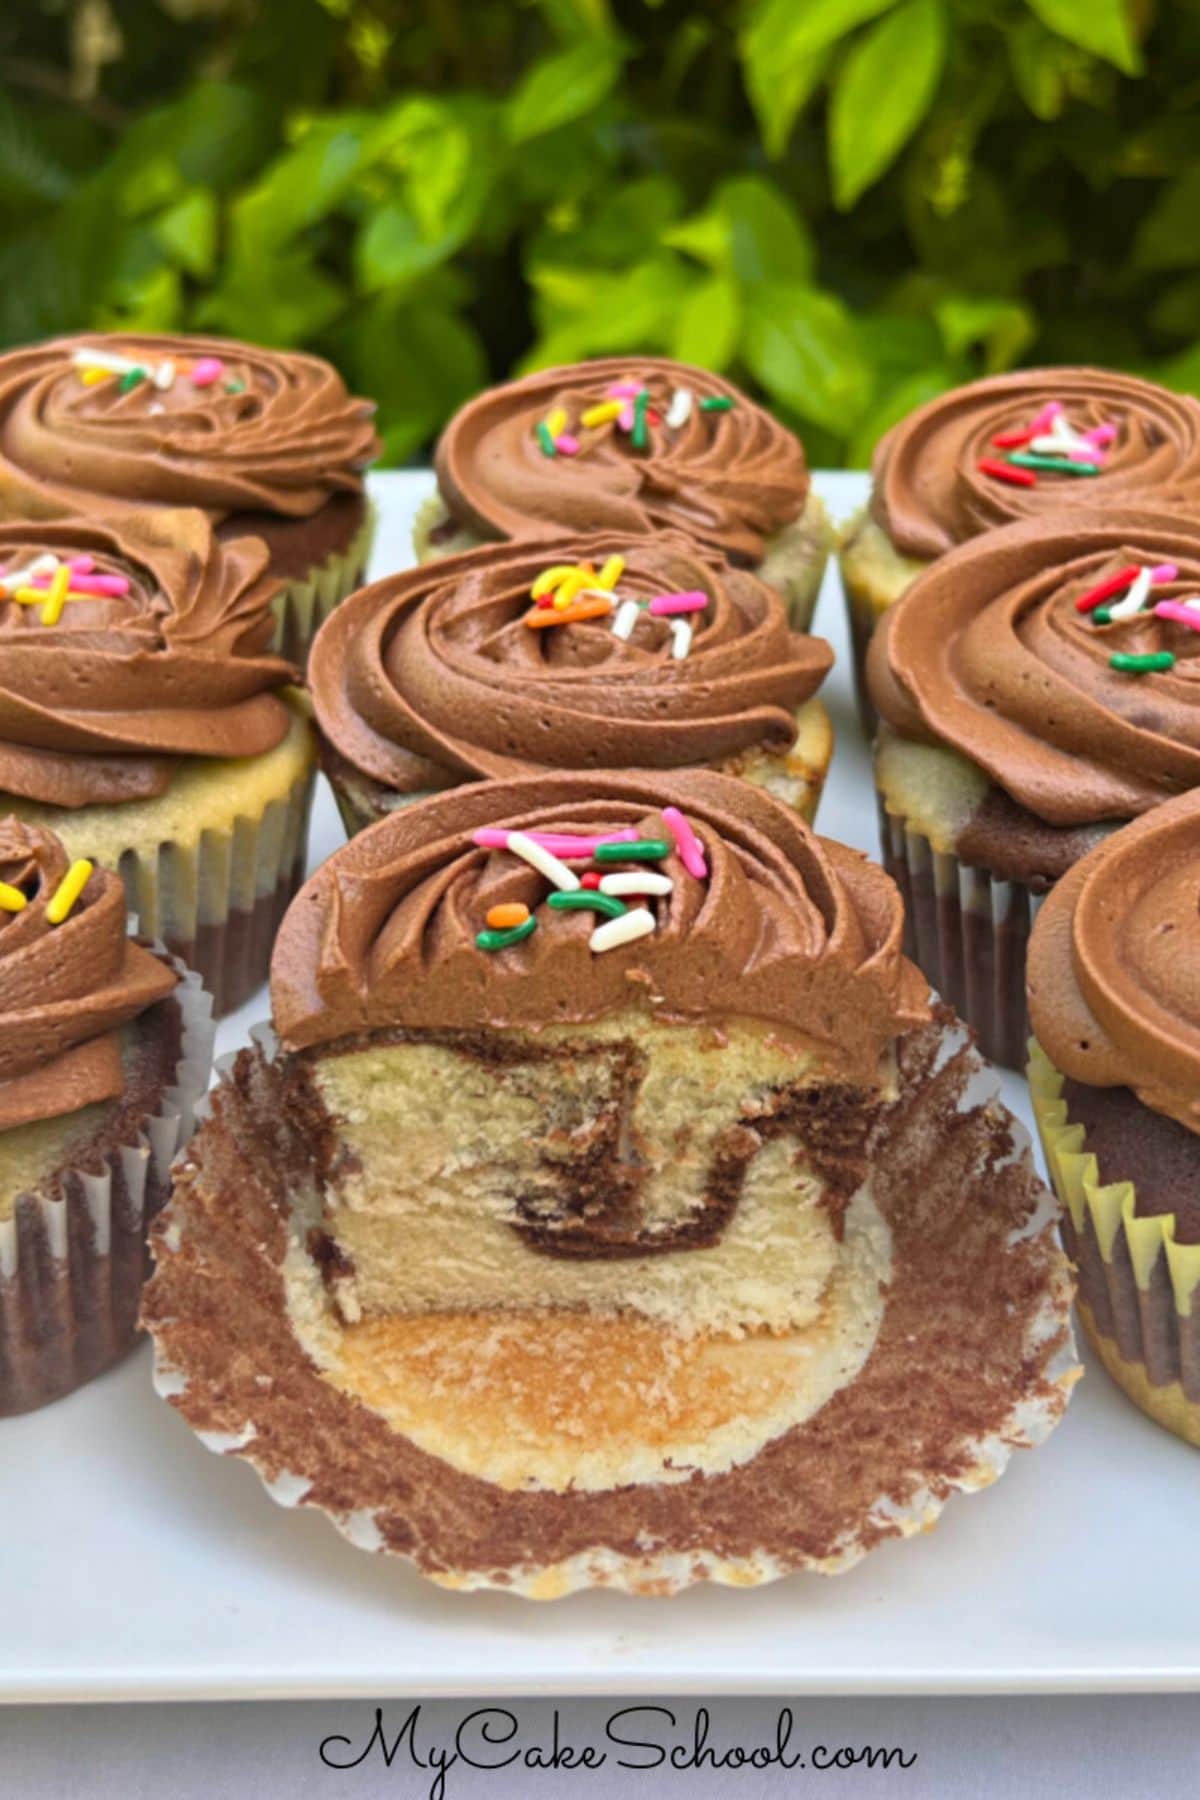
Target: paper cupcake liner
{"points": [[968, 931], [973, 1358], [72, 1266], [1139, 1290], [303, 606]]}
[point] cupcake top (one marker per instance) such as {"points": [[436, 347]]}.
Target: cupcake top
{"points": [[1062, 657], [664, 658], [121, 650], [742, 910], [176, 421], [70, 977], [626, 445], [1024, 445], [1114, 964]]}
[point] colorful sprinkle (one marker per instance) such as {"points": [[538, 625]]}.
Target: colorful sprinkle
{"points": [[602, 414], [640, 437], [12, 900], [1104, 590], [131, 378], [680, 409], [90, 377], [550, 578], [687, 845], [56, 595], [611, 573], [1146, 664], [1002, 471], [235, 387], [207, 370], [109, 587], [681, 639], [634, 881], [556, 421], [500, 940], [1101, 434], [545, 439], [624, 390], [68, 891], [544, 861], [508, 916], [495, 837], [638, 922], [639, 850], [1012, 440], [1058, 465], [1180, 612], [1043, 420], [566, 445], [574, 614], [1054, 444], [1135, 599], [588, 899], [163, 376], [716, 403], [665, 606], [591, 880], [624, 619]]}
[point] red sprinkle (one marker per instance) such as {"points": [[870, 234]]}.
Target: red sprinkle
{"points": [[546, 601], [592, 879], [1012, 440], [1106, 589], [1016, 477]]}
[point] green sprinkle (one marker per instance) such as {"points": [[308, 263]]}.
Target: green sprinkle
{"points": [[1062, 465], [640, 850], [1141, 665], [589, 900], [130, 379], [235, 387], [716, 403], [1102, 615], [544, 439], [639, 437], [500, 940]]}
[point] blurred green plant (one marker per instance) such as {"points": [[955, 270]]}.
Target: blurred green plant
{"points": [[848, 204]]}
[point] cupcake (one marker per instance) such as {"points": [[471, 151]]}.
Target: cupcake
{"points": [[1037, 688], [586, 653], [1014, 447], [630, 1224], [104, 1050], [143, 721], [626, 447], [267, 442], [1114, 995]]}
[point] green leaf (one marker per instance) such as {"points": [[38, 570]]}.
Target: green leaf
{"points": [[799, 27], [1167, 237], [187, 231], [709, 322], [750, 232], [281, 299], [1004, 327], [785, 50], [390, 249], [882, 92], [800, 344], [585, 312], [418, 359], [897, 402], [1102, 26], [1039, 69], [300, 187], [561, 88]]}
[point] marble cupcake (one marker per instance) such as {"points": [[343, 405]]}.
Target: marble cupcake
{"points": [[628, 446], [104, 1051], [1033, 695], [960, 465], [268, 443], [1114, 995], [642, 1241], [143, 720], [466, 667]]}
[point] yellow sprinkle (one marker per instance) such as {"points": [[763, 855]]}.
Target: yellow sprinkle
{"points": [[556, 422], [611, 573], [90, 377], [569, 586], [600, 415], [68, 891], [56, 595], [550, 578], [11, 898], [27, 596]]}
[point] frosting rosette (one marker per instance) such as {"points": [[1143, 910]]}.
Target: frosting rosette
{"points": [[208, 422], [66, 987], [931, 493], [155, 650], [438, 668], [693, 453], [783, 925], [1114, 964], [1081, 712]]}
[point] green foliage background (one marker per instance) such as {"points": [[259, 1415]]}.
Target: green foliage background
{"points": [[848, 204]]}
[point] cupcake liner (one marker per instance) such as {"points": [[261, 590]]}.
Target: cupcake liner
{"points": [[72, 1266], [872, 581], [1139, 1290], [302, 607], [975, 1322], [968, 931]]}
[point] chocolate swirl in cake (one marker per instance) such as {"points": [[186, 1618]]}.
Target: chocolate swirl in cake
{"points": [[97, 703], [727, 473], [930, 493], [436, 669], [988, 652], [277, 432], [65, 989]]}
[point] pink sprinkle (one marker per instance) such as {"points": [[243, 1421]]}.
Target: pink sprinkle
{"points": [[625, 418], [206, 371], [665, 606], [1179, 613], [82, 565], [566, 445], [559, 843], [1101, 434], [110, 586], [1164, 572], [1042, 420], [623, 390], [691, 851]]}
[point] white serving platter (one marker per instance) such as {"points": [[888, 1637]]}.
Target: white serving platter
{"points": [[136, 1565]]}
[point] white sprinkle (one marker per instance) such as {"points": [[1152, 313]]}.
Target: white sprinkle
{"points": [[638, 922], [1136, 598], [45, 564], [636, 881], [1072, 447], [625, 618], [104, 359], [155, 408], [541, 859], [164, 375], [680, 409], [681, 634]]}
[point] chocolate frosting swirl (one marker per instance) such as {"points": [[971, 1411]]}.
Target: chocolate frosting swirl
{"points": [[732, 479], [987, 652], [434, 669], [1114, 964], [284, 442], [787, 927], [96, 707], [65, 990], [930, 494]]}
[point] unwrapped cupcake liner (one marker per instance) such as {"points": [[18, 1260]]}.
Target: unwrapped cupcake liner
{"points": [[968, 931], [1139, 1289], [302, 606], [72, 1263], [976, 1322]]}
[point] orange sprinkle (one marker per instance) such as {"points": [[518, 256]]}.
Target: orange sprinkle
{"points": [[503, 918], [578, 610]]}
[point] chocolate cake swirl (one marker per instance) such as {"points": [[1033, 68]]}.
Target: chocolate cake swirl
{"points": [[987, 652], [65, 989], [1114, 965], [930, 493], [786, 927], [278, 433], [732, 478], [435, 669], [97, 705]]}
